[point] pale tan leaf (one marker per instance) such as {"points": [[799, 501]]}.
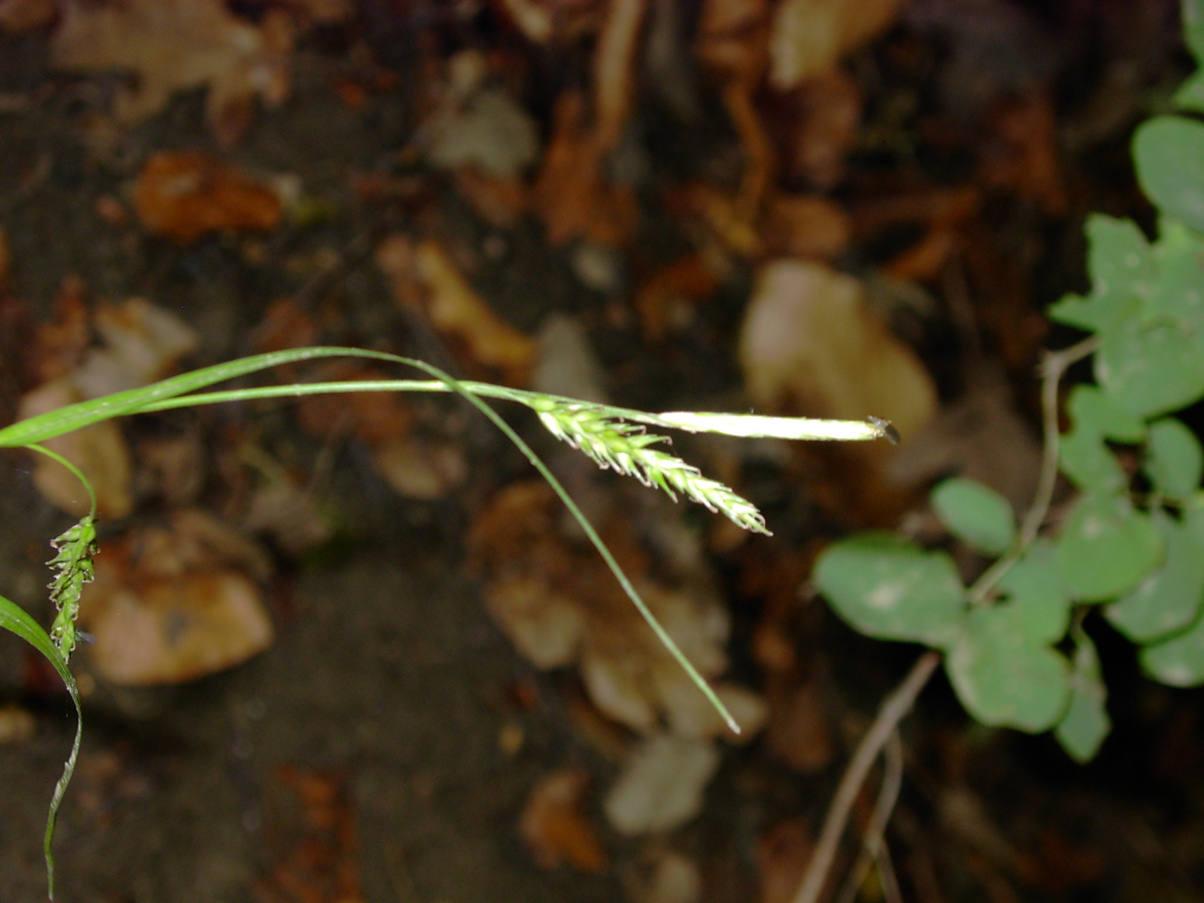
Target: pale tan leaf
{"points": [[176, 45], [812, 345], [661, 787], [170, 630], [810, 36]]}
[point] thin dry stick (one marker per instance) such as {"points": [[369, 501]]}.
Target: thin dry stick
{"points": [[897, 705], [901, 701], [874, 852]]}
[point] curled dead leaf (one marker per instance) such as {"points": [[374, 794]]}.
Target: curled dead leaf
{"points": [[424, 274], [141, 343]]}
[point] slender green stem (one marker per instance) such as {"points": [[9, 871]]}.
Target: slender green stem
{"points": [[75, 471]]}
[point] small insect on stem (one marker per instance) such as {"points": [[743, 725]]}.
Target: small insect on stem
{"points": [[886, 428]]}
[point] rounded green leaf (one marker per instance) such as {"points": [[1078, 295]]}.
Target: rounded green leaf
{"points": [[1150, 365], [1169, 153], [1087, 461], [1004, 679], [1036, 596], [1178, 661], [1106, 547], [1168, 598], [1086, 722], [1122, 272], [976, 514], [887, 588], [1094, 411], [1174, 459]]}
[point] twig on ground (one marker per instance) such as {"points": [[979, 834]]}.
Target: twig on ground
{"points": [[897, 705], [874, 852]]}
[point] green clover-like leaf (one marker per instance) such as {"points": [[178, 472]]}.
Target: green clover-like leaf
{"points": [[975, 514], [1174, 459], [1106, 547], [887, 588], [1086, 722], [1169, 597], [1003, 678]]}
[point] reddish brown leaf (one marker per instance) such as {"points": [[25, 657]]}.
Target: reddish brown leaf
{"points": [[555, 828], [184, 195]]}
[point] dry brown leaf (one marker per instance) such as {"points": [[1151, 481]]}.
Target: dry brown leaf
{"points": [[662, 784], [666, 299], [555, 21], [184, 195], [424, 274], [570, 192], [783, 852], [174, 603], [177, 45], [816, 126], [171, 468], [141, 344], [19, 16], [288, 515], [808, 37], [554, 827], [416, 467], [559, 604], [812, 345], [804, 226], [59, 344], [489, 132]]}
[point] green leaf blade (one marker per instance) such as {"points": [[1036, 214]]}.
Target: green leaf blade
{"points": [[16, 620]]}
